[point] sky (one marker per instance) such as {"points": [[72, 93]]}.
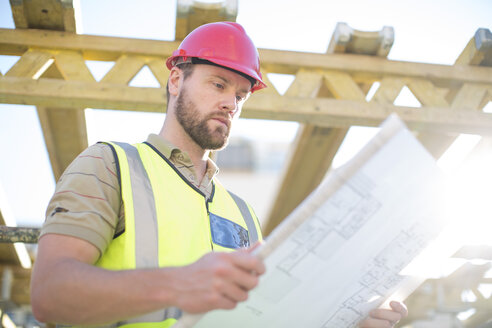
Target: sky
{"points": [[425, 31]]}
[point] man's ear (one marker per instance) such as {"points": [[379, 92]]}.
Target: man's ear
{"points": [[174, 81]]}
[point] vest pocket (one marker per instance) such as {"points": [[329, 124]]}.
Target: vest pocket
{"points": [[227, 233]]}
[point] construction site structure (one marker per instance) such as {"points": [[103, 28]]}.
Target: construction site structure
{"points": [[328, 96]]}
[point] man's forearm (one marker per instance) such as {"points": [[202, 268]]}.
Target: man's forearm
{"points": [[79, 293], [67, 288]]}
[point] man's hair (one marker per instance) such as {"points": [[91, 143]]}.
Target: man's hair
{"points": [[187, 69]]}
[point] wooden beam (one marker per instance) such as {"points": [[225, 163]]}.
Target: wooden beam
{"points": [[463, 96], [349, 40], [65, 134], [344, 113], [316, 146], [294, 188], [319, 111], [159, 70], [47, 14], [19, 14], [19, 235], [388, 90], [33, 64], [303, 175], [51, 92], [191, 14], [370, 68], [471, 252], [20, 292], [10, 254], [482, 149], [478, 51], [92, 47], [16, 42], [64, 129], [471, 96], [124, 70], [481, 318], [428, 95], [72, 66], [306, 84]]}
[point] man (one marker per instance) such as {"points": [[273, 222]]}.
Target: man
{"points": [[137, 234]]}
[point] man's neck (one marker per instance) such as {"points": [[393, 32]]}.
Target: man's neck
{"points": [[199, 159], [198, 155]]}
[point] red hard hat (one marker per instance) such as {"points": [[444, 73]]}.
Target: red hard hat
{"points": [[225, 44]]}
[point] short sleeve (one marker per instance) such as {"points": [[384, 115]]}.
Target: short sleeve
{"points": [[86, 203]]}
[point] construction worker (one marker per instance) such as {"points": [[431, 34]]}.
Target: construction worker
{"points": [[136, 234]]}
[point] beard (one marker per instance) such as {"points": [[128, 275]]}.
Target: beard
{"points": [[196, 126]]}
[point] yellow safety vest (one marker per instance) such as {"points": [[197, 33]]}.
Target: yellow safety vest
{"points": [[169, 222]]}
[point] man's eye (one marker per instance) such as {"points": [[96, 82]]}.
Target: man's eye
{"points": [[218, 85], [239, 98]]}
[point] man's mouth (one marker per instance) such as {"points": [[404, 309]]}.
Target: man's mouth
{"points": [[222, 120]]}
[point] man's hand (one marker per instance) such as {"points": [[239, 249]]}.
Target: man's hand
{"points": [[385, 318], [217, 281], [68, 288]]}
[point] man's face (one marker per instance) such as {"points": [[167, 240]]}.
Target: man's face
{"points": [[207, 103]]}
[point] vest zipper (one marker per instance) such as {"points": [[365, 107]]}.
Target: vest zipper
{"points": [[210, 228]]}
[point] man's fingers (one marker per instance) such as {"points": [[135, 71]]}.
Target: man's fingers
{"points": [[252, 248], [248, 262], [234, 292], [399, 307], [227, 295], [246, 280], [218, 281], [388, 315], [239, 268], [375, 323], [244, 270], [218, 301], [385, 317]]}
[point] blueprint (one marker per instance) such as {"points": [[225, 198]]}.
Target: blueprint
{"points": [[342, 251]]}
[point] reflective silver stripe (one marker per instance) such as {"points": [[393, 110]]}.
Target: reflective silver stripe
{"points": [[172, 312], [157, 316], [113, 325], [146, 229], [146, 244], [248, 218]]}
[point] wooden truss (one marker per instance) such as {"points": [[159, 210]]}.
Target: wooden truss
{"points": [[52, 72], [328, 94], [316, 146]]}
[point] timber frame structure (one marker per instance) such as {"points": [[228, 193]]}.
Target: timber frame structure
{"points": [[328, 96]]}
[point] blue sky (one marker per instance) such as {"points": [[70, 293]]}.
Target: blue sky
{"points": [[425, 31]]}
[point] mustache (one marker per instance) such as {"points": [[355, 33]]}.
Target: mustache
{"points": [[226, 117]]}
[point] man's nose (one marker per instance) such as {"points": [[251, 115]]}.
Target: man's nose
{"points": [[229, 103]]}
